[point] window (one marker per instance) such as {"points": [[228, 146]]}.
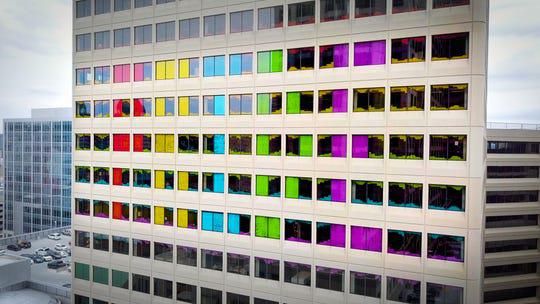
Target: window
{"points": [[140, 283], [214, 105], [213, 182], [186, 218], [102, 7], [82, 109], [212, 221], [240, 184], [210, 296], [186, 293], [298, 231], [241, 64], [82, 271], [186, 256], [513, 147], [405, 242], [238, 264], [365, 284], [409, 50], [83, 76], [101, 209], [189, 28], [102, 75], [447, 197], [141, 213], [408, 195], [188, 105], [163, 288], [142, 107], [334, 56], [510, 270], [299, 145], [121, 108], [143, 71], [511, 221], [121, 143], [447, 147], [214, 66], [240, 104], [403, 290], [121, 177], [82, 206], [164, 179], [101, 175], [101, 242], [301, 59], [302, 13], [446, 247], [403, 6], [503, 197], [82, 42], [141, 248], [300, 102], [267, 269], [368, 100], [163, 252], [82, 142], [142, 142], [267, 227], [407, 98], [333, 101], [141, 178], [188, 68], [298, 187], [165, 69], [82, 174], [366, 238], [368, 146], [188, 143], [101, 108], [82, 239], [214, 25], [101, 142], [296, 273], [368, 8], [188, 181], [511, 245], [270, 17], [332, 10], [331, 190], [163, 216], [164, 106], [211, 259], [269, 144], [240, 144], [122, 5], [164, 1], [332, 146], [100, 275], [450, 46], [449, 97], [370, 52], [121, 73], [122, 37], [119, 279], [81, 299], [241, 21], [512, 172], [120, 244], [165, 31], [143, 33], [330, 278], [102, 40], [449, 3], [331, 234], [263, 301], [444, 294], [234, 298], [270, 61], [407, 147], [142, 3], [213, 143], [82, 8], [268, 186], [269, 103]]}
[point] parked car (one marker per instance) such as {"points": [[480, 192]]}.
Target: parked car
{"points": [[56, 264], [54, 236], [13, 247], [60, 247], [66, 232], [47, 258], [38, 259], [42, 251], [54, 254], [25, 244]]}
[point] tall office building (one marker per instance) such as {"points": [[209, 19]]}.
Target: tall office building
{"points": [[1, 185], [243, 151], [37, 155], [512, 209]]}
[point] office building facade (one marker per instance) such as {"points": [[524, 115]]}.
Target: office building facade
{"points": [[272, 151]]}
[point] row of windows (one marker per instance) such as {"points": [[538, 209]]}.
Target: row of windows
{"points": [[406, 147], [402, 98], [513, 172], [513, 147]]}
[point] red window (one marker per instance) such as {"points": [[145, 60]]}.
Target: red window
{"points": [[142, 107], [121, 142], [120, 177], [142, 143], [121, 73], [120, 211], [121, 108]]}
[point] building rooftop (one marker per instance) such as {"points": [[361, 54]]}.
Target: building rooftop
{"points": [[513, 126], [46, 114]]}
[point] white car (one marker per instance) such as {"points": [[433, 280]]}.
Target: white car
{"points": [[63, 254], [47, 258], [54, 236], [42, 251], [60, 247]]}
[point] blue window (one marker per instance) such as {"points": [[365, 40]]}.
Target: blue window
{"points": [[214, 105], [212, 221], [214, 66], [241, 64], [238, 223], [83, 76], [213, 182], [213, 143], [102, 75]]}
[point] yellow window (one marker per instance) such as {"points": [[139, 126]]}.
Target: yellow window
{"points": [[164, 143], [183, 106], [169, 69], [182, 218], [183, 68], [160, 106], [183, 180], [159, 215], [169, 143], [165, 69], [160, 70], [159, 176]]}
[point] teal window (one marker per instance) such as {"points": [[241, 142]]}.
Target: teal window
{"points": [[213, 182], [214, 105], [120, 279], [238, 223], [241, 64], [213, 143], [212, 221], [214, 66], [82, 271], [142, 178], [100, 275]]}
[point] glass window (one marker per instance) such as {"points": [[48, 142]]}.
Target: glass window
{"points": [[142, 71], [101, 242], [298, 187], [368, 100], [267, 185], [102, 7], [82, 239], [164, 1], [269, 144], [510, 270], [511, 245], [238, 264], [333, 101], [301, 13], [370, 52], [212, 221], [82, 271], [142, 3], [332, 146], [141, 248], [82, 174], [189, 28], [211, 259], [186, 256], [267, 227], [121, 142], [446, 247], [213, 143], [241, 64], [100, 275], [270, 17], [513, 147], [366, 238], [449, 97], [101, 175], [102, 75], [331, 190], [188, 68], [210, 296], [143, 33], [408, 195], [142, 142], [214, 66], [270, 61], [213, 182], [164, 106], [368, 146], [269, 103], [142, 107], [120, 279], [82, 42], [403, 290], [503, 197], [165, 31], [334, 56], [449, 3], [296, 273], [447, 197], [188, 143], [240, 144], [448, 147], [241, 21], [267, 269], [365, 284], [141, 178], [443, 294], [186, 218], [186, 293], [240, 104], [512, 172], [122, 5], [214, 105], [509, 221], [140, 283], [368, 8], [121, 73], [300, 102], [407, 243], [121, 177], [298, 231], [163, 216], [407, 147], [101, 108], [234, 298], [330, 278], [240, 184], [450, 46], [407, 98], [332, 10], [83, 76], [82, 142], [102, 40], [163, 252], [301, 59], [188, 181], [141, 213], [121, 108], [299, 145], [404, 6], [122, 37], [165, 69], [120, 244], [82, 206], [411, 49], [81, 299], [82, 8], [164, 179], [239, 223], [214, 25], [101, 142], [188, 105], [331, 234]]}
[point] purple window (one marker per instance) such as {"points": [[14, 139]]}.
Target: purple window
{"points": [[334, 56], [333, 190], [331, 234], [370, 53], [332, 145], [366, 238], [446, 247], [360, 146], [333, 101]]}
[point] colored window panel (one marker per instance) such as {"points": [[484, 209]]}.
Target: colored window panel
{"points": [[270, 61], [142, 107], [186, 218], [331, 234], [366, 238], [212, 221], [164, 106], [267, 185], [121, 142], [269, 144], [238, 223], [188, 68], [213, 143], [120, 211], [164, 179], [121, 108], [301, 59], [370, 53], [333, 101], [334, 56], [142, 71], [332, 190], [121, 177], [164, 143], [214, 105], [188, 105], [165, 70], [241, 64], [188, 181], [142, 143], [82, 271], [163, 216], [300, 102], [120, 279], [214, 66], [213, 182], [121, 73], [298, 187], [368, 146], [332, 145], [267, 227], [299, 145], [269, 103]]}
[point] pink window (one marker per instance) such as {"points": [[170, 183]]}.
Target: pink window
{"points": [[121, 73], [121, 142]]}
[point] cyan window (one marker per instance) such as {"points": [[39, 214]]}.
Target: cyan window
{"points": [[214, 105], [212, 221], [214, 66], [241, 64], [238, 223], [214, 144], [213, 182]]}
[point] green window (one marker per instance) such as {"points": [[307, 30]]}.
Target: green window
{"points": [[100, 275], [268, 103], [298, 187], [267, 227], [300, 102], [82, 271], [120, 279], [270, 61], [299, 145], [268, 185], [269, 144]]}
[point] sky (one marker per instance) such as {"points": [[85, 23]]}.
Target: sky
{"points": [[36, 50]]}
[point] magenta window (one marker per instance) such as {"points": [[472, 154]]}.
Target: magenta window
{"points": [[121, 73], [360, 146], [332, 145], [366, 238], [333, 101], [370, 53], [331, 234], [334, 56], [331, 190]]}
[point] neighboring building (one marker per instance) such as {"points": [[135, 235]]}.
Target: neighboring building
{"points": [[512, 234], [327, 151], [38, 171], [1, 185]]}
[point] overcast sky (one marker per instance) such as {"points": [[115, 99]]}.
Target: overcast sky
{"points": [[35, 58]]}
